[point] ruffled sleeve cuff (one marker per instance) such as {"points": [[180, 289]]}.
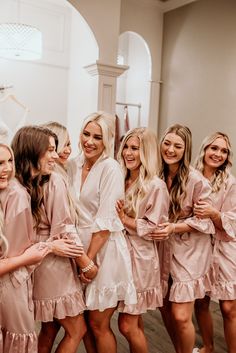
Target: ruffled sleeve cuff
{"points": [[68, 231], [144, 227], [113, 225], [21, 275], [202, 225], [229, 225]]}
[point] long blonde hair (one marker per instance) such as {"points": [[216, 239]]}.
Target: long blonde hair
{"points": [[61, 132], [63, 138], [107, 123], [148, 169], [3, 240], [222, 173], [178, 187]]}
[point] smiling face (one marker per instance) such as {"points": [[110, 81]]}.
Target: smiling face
{"points": [[92, 142], [216, 153], [64, 154], [131, 153], [172, 149], [6, 166], [47, 162]]}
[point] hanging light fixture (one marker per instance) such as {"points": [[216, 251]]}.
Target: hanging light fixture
{"points": [[20, 41]]}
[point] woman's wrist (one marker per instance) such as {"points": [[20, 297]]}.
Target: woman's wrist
{"points": [[87, 268], [215, 216]]}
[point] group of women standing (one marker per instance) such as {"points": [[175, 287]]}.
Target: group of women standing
{"points": [[83, 238]]}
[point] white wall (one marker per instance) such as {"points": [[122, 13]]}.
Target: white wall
{"points": [[103, 17], [145, 18], [199, 71], [133, 85], [82, 88], [41, 85]]}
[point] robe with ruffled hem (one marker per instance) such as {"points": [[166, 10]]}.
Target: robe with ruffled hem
{"points": [[96, 200], [57, 291], [17, 329], [224, 254], [188, 256], [153, 210]]}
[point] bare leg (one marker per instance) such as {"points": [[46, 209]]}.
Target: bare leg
{"points": [[185, 332], [47, 335], [129, 326], [205, 324], [75, 329], [166, 313], [100, 325], [228, 310], [89, 339]]}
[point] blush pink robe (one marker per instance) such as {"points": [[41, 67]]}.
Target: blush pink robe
{"points": [[224, 263], [188, 256], [57, 288], [153, 209], [17, 329]]}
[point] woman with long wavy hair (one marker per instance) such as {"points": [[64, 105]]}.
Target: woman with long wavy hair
{"points": [[189, 247], [17, 255], [214, 161], [146, 205], [57, 291]]}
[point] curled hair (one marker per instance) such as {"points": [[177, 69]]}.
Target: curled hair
{"points": [[61, 132], [107, 123], [29, 145], [221, 174], [178, 187], [3, 240], [63, 138], [148, 169]]}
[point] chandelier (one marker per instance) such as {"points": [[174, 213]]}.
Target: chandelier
{"points": [[20, 41]]}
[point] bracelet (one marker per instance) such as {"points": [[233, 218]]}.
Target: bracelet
{"points": [[88, 267]]}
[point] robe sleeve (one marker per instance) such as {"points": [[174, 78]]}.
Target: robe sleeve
{"points": [[201, 191], [58, 210], [228, 215], [111, 189], [156, 206]]}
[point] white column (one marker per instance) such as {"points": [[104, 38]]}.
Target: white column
{"points": [[106, 76], [154, 105]]}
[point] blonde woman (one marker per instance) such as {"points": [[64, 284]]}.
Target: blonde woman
{"points": [[63, 148], [214, 162], [146, 205], [190, 248], [98, 182], [17, 329]]}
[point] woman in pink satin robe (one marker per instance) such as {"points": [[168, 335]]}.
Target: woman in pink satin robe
{"points": [[187, 255], [214, 162], [17, 329], [57, 290], [146, 205]]}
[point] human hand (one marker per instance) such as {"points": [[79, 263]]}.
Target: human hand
{"points": [[84, 279], [92, 273], [163, 231], [203, 209], [120, 210], [65, 248], [35, 253]]}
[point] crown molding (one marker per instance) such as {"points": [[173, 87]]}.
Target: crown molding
{"points": [[99, 68]]}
